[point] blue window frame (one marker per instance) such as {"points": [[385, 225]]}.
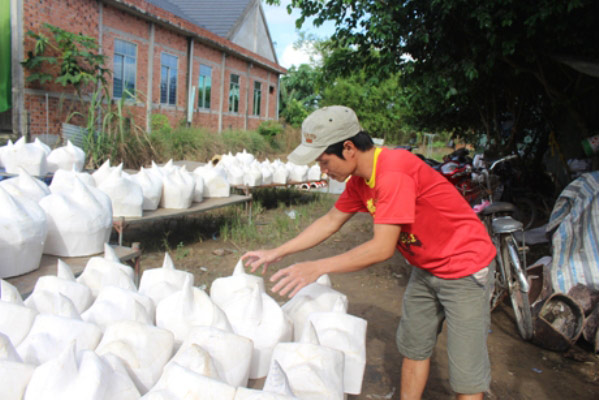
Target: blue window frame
{"points": [[125, 68], [234, 94], [168, 79], [257, 97], [204, 87]]}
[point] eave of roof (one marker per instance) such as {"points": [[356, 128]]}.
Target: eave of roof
{"points": [[151, 12]]}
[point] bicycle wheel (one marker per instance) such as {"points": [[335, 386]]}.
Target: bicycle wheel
{"points": [[526, 212], [519, 299]]}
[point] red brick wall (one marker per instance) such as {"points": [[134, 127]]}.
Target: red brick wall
{"points": [[83, 16]]}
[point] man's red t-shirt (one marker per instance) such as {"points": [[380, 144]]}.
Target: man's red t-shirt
{"points": [[439, 231]]}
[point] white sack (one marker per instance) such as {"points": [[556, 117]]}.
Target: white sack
{"points": [[215, 181], [64, 283], [125, 194], [23, 233], [64, 180], [317, 296], [177, 190], [151, 187], [187, 308], [244, 157], [159, 283], [314, 372], [230, 353], [79, 375], [114, 304], [279, 388], [223, 288], [346, 333], [16, 319], [69, 157], [79, 222], [255, 315], [105, 271], [14, 374], [45, 302], [30, 157], [51, 334], [196, 359], [25, 186], [314, 173], [144, 350], [184, 384]]}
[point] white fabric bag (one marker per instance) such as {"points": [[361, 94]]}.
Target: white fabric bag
{"points": [[63, 180], [80, 375], [23, 233], [16, 319], [125, 194], [347, 333], [79, 222], [143, 349], [69, 157], [25, 186], [230, 353], [105, 271], [187, 308], [177, 189], [115, 304], [65, 283], [159, 283], [14, 374], [317, 296], [255, 315], [151, 187], [30, 157], [182, 383], [223, 288], [215, 181], [51, 334]]}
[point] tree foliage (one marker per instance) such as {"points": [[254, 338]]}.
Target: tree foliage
{"points": [[507, 69]]}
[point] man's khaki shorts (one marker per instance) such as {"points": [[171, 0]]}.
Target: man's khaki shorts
{"points": [[464, 304]]}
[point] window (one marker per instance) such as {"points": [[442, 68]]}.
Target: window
{"points": [[168, 79], [125, 67], [204, 87], [234, 93], [257, 97]]}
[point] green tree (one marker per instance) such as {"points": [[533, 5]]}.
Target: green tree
{"points": [[507, 69]]}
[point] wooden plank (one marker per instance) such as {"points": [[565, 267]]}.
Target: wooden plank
{"points": [[26, 283], [162, 213]]}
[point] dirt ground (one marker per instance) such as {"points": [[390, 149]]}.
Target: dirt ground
{"points": [[520, 370]]}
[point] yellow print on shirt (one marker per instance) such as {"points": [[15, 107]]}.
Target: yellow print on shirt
{"points": [[371, 206]]}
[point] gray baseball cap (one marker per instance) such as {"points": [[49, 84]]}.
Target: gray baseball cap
{"points": [[322, 128]]}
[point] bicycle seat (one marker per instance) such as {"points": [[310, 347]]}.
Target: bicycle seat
{"points": [[506, 225], [499, 206]]}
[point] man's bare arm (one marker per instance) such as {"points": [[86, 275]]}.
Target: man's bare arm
{"points": [[381, 247], [317, 232]]}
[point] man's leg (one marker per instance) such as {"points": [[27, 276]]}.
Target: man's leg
{"points": [[414, 374], [419, 326]]}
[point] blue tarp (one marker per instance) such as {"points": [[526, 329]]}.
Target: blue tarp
{"points": [[575, 219]]}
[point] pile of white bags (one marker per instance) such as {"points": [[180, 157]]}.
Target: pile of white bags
{"points": [[99, 337]]}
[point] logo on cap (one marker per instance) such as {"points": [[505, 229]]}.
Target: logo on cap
{"points": [[309, 137]]}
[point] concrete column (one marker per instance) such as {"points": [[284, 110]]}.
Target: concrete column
{"points": [[150, 78], [19, 120], [247, 98], [190, 99], [222, 92]]}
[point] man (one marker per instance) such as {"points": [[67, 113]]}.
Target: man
{"points": [[421, 214]]}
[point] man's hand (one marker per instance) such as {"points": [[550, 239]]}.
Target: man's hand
{"points": [[260, 257], [295, 277]]}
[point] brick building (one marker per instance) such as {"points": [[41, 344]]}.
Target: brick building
{"points": [[210, 63]]}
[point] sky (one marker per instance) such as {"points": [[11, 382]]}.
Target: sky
{"points": [[283, 33]]}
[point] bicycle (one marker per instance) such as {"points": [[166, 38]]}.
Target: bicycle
{"points": [[510, 273]]}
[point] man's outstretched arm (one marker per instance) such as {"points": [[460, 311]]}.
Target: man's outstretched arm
{"points": [[318, 231], [381, 247]]}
